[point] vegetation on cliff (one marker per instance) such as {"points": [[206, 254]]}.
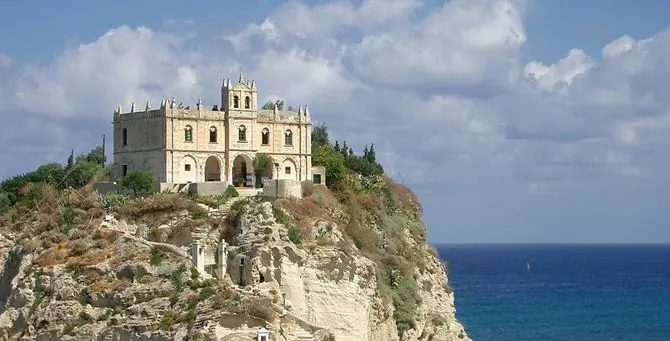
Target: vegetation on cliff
{"points": [[382, 220], [57, 217]]}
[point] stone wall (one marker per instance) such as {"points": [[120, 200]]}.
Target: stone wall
{"points": [[208, 188], [282, 188]]}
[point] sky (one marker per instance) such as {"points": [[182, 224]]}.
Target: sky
{"points": [[515, 121]]}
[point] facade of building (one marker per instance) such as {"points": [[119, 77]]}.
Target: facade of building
{"points": [[194, 144]]}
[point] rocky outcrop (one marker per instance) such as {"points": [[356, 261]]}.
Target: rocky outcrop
{"points": [[111, 283]]}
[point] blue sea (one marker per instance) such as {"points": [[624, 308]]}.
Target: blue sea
{"points": [[572, 292]]}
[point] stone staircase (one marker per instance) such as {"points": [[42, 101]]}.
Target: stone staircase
{"points": [[248, 192]]}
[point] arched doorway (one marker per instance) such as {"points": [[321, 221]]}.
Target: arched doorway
{"points": [[288, 170], [243, 172], [212, 169], [188, 170]]}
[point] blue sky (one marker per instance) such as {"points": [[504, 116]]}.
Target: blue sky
{"points": [[514, 120]]}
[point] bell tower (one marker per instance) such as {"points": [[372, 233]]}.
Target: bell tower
{"points": [[242, 96]]}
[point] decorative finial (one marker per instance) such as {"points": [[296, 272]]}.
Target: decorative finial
{"points": [[253, 84], [241, 78], [148, 107], [306, 111], [274, 108], [132, 107], [299, 110], [172, 102], [199, 105], [223, 83]]}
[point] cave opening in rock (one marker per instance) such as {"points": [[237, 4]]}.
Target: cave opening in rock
{"points": [[262, 278]]}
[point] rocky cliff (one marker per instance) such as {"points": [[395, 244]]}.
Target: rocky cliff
{"points": [[350, 263]]}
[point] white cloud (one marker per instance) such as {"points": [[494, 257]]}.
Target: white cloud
{"points": [[442, 92]]}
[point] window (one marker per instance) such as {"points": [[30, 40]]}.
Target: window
{"points": [[242, 134], [236, 101], [187, 167], [265, 136], [287, 170], [247, 102], [124, 136], [124, 170], [316, 179], [188, 134], [212, 134], [288, 138], [264, 338]]}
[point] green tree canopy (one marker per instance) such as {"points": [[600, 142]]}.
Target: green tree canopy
{"points": [[139, 180], [262, 164], [332, 160], [319, 136]]}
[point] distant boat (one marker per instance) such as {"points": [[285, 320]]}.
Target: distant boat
{"points": [[528, 266]]}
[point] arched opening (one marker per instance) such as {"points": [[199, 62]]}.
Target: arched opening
{"points": [[242, 171], [247, 102], [212, 169], [288, 138], [236, 101], [124, 136], [212, 135], [188, 134], [242, 134], [265, 137], [187, 171], [288, 170]]}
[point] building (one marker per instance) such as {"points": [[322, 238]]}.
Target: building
{"points": [[183, 144]]}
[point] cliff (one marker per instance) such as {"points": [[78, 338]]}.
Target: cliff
{"points": [[350, 263]]}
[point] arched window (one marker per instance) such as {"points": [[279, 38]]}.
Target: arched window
{"points": [[247, 102], [242, 134], [288, 138], [236, 101], [124, 136], [188, 134], [265, 136], [212, 134]]}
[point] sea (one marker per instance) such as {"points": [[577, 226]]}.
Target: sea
{"points": [[568, 292]]}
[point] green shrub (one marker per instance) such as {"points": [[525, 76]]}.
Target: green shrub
{"points": [[231, 192], [157, 256], [139, 180], [294, 235], [66, 219]]}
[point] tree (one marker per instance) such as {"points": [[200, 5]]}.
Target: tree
{"points": [[262, 164], [95, 155], [319, 136], [371, 153], [139, 180], [332, 160]]}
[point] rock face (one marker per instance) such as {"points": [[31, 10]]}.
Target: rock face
{"points": [[112, 283]]}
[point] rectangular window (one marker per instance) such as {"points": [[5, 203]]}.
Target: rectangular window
{"points": [[316, 179], [288, 139], [188, 135], [264, 338], [187, 167], [287, 170], [242, 135], [265, 138], [124, 170]]}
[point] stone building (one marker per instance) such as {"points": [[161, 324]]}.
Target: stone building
{"points": [[183, 144]]}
